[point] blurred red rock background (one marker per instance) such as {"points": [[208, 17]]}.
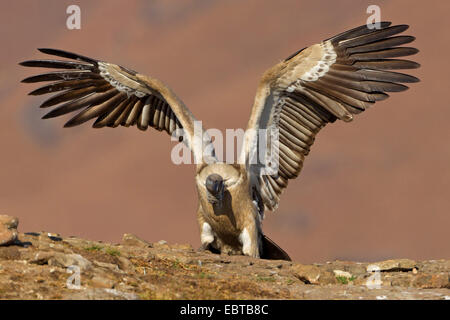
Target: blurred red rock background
{"points": [[372, 189]]}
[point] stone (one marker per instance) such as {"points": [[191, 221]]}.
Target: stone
{"points": [[129, 239], [8, 230], [125, 264], [101, 282], [392, 265], [41, 257], [10, 253], [310, 274], [109, 266], [344, 274], [429, 281], [67, 260], [45, 236], [183, 247]]}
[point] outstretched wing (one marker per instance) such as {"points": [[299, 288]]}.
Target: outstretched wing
{"points": [[335, 79], [111, 94]]}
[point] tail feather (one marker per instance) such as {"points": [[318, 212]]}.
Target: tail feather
{"points": [[271, 251]]}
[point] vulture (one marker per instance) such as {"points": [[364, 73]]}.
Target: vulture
{"points": [[335, 79]]}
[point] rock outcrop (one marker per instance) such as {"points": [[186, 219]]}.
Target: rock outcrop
{"points": [[8, 229], [43, 265]]}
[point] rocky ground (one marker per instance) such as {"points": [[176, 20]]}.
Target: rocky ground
{"points": [[43, 265]]}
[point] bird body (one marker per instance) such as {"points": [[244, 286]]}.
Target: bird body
{"points": [[335, 79], [228, 218]]}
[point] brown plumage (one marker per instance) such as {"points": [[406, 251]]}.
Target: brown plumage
{"points": [[333, 80]]}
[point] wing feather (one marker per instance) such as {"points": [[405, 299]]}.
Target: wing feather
{"points": [[110, 94], [333, 80]]}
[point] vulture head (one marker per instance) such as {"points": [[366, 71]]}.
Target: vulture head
{"points": [[215, 187]]}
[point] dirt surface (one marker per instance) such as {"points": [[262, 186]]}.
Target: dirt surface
{"points": [[46, 266]]}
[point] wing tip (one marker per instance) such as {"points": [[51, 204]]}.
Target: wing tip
{"points": [[45, 104], [68, 55], [97, 125], [28, 80], [48, 50], [414, 79], [70, 124], [383, 24], [49, 115], [34, 93], [413, 65], [24, 63], [402, 27]]}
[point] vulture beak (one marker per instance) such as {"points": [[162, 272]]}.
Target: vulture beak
{"points": [[216, 187]]}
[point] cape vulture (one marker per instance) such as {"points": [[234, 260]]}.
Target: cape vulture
{"points": [[335, 79]]}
